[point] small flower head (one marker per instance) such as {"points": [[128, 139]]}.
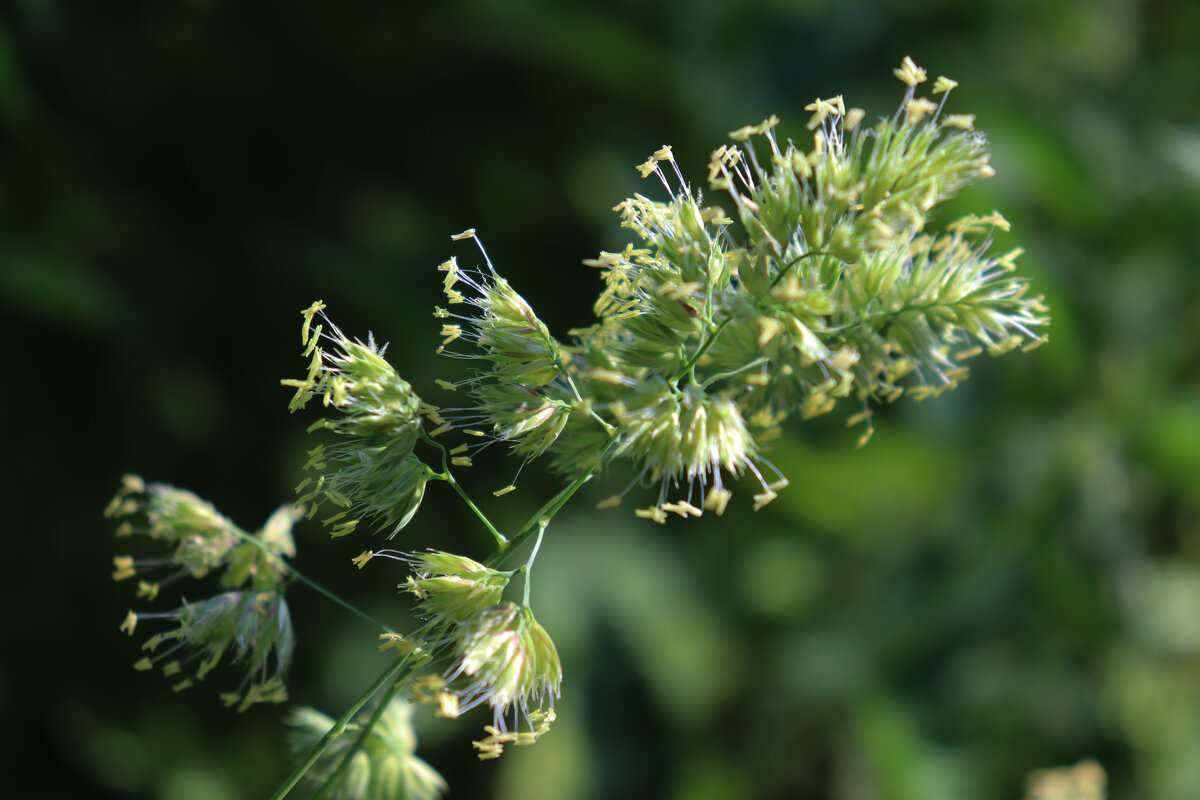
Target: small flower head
{"points": [[506, 660], [522, 387], [255, 627], [452, 587], [686, 435], [371, 472], [386, 767], [909, 73], [198, 536]]}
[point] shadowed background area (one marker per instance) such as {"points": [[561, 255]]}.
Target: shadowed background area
{"points": [[1005, 578]]}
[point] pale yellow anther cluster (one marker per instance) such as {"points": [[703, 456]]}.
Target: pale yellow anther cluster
{"points": [[909, 73], [943, 84], [821, 109], [745, 132], [918, 108]]}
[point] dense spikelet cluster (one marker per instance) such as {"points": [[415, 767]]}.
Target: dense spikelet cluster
{"points": [[524, 395], [505, 659], [828, 283], [453, 588], [249, 622], [371, 472]]}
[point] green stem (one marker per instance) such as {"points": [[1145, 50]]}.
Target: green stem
{"points": [[701, 350], [532, 557], [310, 583], [547, 511], [792, 263], [720, 376], [448, 477], [339, 728]]}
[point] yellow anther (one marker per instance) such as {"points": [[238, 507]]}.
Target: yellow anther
{"points": [[683, 508], [123, 568], [743, 133], [763, 498], [717, 500], [963, 121], [768, 329], [861, 416], [362, 558], [918, 108], [447, 705], [1007, 260], [308, 315], [653, 513], [999, 221], [450, 332], [943, 84], [909, 73]]}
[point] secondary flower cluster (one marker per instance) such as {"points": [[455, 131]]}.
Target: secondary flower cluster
{"points": [[838, 288], [371, 472], [387, 766], [249, 620], [501, 656]]}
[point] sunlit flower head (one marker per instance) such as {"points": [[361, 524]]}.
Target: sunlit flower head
{"points": [[504, 658]]}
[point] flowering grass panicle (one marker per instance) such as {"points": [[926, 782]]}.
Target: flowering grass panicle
{"points": [[826, 276], [831, 284]]}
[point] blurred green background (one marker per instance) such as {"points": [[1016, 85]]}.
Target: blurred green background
{"points": [[1005, 578]]}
